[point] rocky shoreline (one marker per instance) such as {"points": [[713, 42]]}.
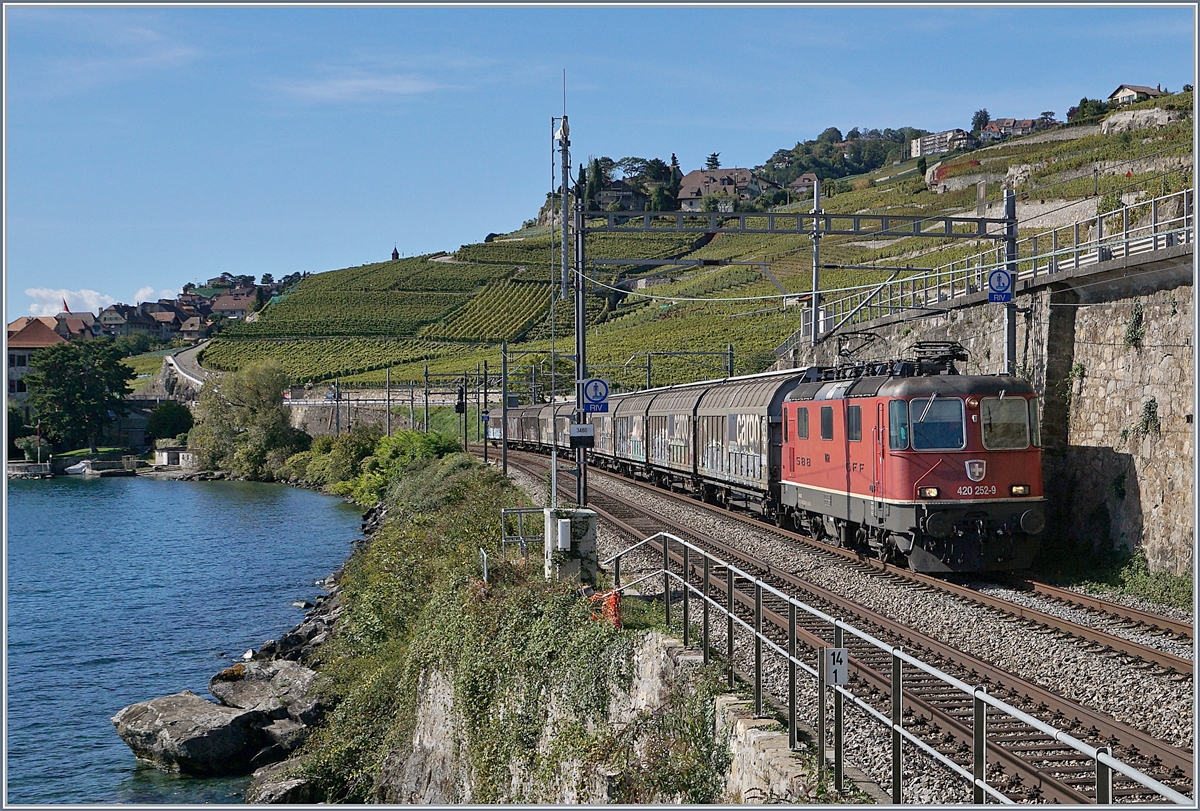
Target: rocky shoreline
{"points": [[266, 707]]}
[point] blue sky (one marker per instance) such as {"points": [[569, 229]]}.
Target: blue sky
{"points": [[149, 147]]}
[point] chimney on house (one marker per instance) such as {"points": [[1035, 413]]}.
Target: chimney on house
{"points": [[1158, 87]]}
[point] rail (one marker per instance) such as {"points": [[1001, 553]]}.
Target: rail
{"points": [[1106, 764], [1133, 229]]}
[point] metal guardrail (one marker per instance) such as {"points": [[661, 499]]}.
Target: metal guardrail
{"points": [[1106, 764], [516, 535], [1102, 238]]}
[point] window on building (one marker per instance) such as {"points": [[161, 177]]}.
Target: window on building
{"points": [[826, 422]]}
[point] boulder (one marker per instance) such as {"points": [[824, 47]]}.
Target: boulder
{"points": [[279, 688], [271, 784], [185, 733]]}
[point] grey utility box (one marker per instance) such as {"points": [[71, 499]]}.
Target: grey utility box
{"points": [[570, 548]]}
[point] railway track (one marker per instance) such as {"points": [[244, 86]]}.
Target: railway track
{"points": [[1035, 767]]}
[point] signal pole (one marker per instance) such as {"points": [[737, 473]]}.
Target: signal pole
{"points": [[816, 240], [580, 350]]}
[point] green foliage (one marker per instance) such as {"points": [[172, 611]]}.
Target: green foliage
{"points": [[351, 314], [242, 426], [1148, 422], [1135, 327], [32, 446], [169, 419], [391, 456], [75, 388], [16, 427], [980, 119], [1130, 575], [414, 608], [339, 458], [137, 343], [316, 360]]}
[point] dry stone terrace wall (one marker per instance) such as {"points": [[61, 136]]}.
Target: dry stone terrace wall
{"points": [[1117, 410]]}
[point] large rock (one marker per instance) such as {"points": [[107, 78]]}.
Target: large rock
{"points": [[280, 688], [272, 785], [185, 733], [1130, 120]]}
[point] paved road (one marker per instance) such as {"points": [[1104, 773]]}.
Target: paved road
{"points": [[186, 365]]}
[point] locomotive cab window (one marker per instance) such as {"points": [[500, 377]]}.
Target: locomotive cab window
{"points": [[802, 423], [826, 422], [1035, 425], [854, 423], [1005, 423], [937, 424], [898, 425]]}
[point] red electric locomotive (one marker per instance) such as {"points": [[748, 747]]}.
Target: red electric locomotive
{"points": [[916, 462]]}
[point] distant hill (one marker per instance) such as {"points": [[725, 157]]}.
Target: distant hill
{"points": [[451, 310]]}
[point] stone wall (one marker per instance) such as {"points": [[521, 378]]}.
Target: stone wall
{"points": [[1112, 477]]}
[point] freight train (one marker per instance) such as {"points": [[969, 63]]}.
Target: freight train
{"points": [[905, 459]]}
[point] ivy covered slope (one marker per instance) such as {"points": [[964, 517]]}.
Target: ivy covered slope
{"points": [[451, 311], [417, 617]]}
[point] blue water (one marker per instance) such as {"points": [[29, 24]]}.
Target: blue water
{"points": [[125, 589]]}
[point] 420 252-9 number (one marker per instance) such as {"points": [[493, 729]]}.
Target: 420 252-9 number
{"points": [[977, 490]]}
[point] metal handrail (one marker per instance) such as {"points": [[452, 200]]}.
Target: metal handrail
{"points": [[962, 277], [977, 692]]}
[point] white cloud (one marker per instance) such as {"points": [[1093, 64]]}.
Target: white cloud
{"points": [[360, 86], [147, 293], [49, 302]]}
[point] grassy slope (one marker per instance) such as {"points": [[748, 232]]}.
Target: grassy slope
{"points": [[475, 297]]}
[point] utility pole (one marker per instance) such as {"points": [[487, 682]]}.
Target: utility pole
{"points": [[730, 360], [337, 409], [412, 403], [504, 407], [388, 384], [816, 240], [580, 350], [1010, 261], [427, 398]]}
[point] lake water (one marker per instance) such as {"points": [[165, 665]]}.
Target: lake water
{"points": [[125, 589]]}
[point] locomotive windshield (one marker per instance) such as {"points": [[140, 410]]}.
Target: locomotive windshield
{"points": [[1005, 423], [937, 423]]}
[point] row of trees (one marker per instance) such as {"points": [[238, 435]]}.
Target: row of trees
{"points": [[832, 155]]}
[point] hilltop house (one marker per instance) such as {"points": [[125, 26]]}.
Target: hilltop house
{"points": [[1129, 93], [234, 304], [194, 329], [741, 184]]}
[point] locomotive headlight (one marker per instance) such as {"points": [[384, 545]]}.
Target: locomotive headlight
{"points": [[927, 492], [972, 402], [1020, 489]]}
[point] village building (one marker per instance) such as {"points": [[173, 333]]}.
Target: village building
{"points": [[737, 183], [25, 337], [938, 142]]}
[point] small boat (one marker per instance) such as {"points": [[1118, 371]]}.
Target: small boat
{"points": [[77, 469]]}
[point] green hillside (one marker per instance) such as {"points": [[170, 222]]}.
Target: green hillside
{"points": [[451, 310]]}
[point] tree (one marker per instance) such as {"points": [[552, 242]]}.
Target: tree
{"points": [[1088, 109], [169, 419], [242, 425], [980, 120], [922, 166], [16, 428], [713, 161], [78, 388], [189, 287], [853, 135], [830, 135], [267, 278], [1046, 119], [1187, 88]]}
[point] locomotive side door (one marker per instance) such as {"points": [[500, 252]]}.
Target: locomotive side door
{"points": [[877, 464]]}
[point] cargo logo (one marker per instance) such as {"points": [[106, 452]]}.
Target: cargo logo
{"points": [[976, 468]]}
